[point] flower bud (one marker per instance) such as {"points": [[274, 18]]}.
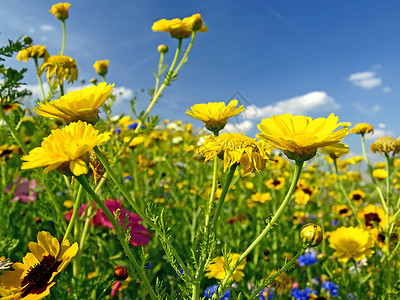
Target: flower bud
{"points": [[162, 49], [311, 234], [27, 40], [121, 272]]}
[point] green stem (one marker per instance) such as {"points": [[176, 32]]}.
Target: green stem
{"points": [[272, 277], [14, 133], [205, 257], [345, 196], [213, 189], [136, 207], [103, 78], [271, 223], [61, 89], [63, 38], [39, 78], [160, 67], [83, 181]]}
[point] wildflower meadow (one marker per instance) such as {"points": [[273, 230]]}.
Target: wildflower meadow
{"points": [[102, 206]]}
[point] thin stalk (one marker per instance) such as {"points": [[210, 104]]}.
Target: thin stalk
{"points": [[63, 38], [83, 181], [39, 78], [213, 189], [82, 241], [14, 133], [341, 188], [272, 277], [61, 89], [271, 223], [136, 207]]}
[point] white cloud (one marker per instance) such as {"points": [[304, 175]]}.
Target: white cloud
{"points": [[378, 133], [367, 110], [382, 126], [46, 27], [243, 127], [123, 93], [316, 101], [387, 89], [365, 80]]}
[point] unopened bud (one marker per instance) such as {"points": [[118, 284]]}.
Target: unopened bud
{"points": [[27, 40], [162, 49], [121, 272], [311, 234]]}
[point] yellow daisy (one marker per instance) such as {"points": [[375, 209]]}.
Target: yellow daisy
{"points": [[236, 149], [379, 174], [77, 105], [258, 198], [374, 216], [215, 114], [61, 67], [385, 145], [300, 137], [178, 28], [101, 67], [32, 279], [336, 150], [217, 267], [37, 51], [351, 243], [60, 10], [66, 150], [362, 128]]}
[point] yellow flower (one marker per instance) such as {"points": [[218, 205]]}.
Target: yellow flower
{"points": [[374, 216], [66, 149], [311, 234], [60, 10], [346, 124], [362, 128], [386, 145], [379, 174], [77, 105], [357, 195], [101, 67], [336, 150], [33, 278], [351, 243], [7, 105], [300, 137], [236, 149], [258, 198], [215, 114], [342, 210], [275, 183], [217, 266], [178, 28], [37, 51], [60, 66]]}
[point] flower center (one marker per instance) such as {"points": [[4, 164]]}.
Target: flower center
{"points": [[356, 197], [37, 279], [371, 218]]}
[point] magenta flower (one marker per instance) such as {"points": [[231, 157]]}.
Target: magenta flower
{"points": [[139, 234], [25, 190]]}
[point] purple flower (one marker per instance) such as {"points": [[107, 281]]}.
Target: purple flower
{"points": [[332, 288], [302, 294], [307, 259], [25, 190]]}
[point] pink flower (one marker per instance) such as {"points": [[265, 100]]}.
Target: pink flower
{"points": [[139, 234], [25, 190]]}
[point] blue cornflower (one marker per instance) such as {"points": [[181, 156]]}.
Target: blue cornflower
{"points": [[332, 288], [117, 131], [180, 271], [335, 222], [134, 125], [128, 178], [212, 289], [307, 259], [302, 294]]}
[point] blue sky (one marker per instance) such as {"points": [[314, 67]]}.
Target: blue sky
{"points": [[303, 57]]}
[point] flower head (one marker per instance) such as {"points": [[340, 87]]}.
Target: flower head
{"points": [[311, 234], [61, 67], [362, 128], [26, 190], [336, 150], [37, 52], [77, 105], [60, 10], [236, 149], [66, 149], [101, 67], [385, 145], [215, 114], [178, 28], [374, 216], [208, 292], [379, 174], [351, 243], [300, 137], [217, 267], [33, 278], [357, 195], [6, 104]]}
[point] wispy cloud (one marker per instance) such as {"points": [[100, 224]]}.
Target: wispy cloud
{"points": [[360, 107], [365, 80], [46, 27], [312, 102], [387, 89]]}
